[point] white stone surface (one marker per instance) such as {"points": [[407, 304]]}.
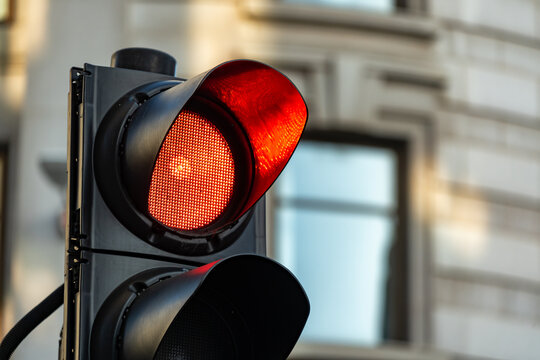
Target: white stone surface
{"points": [[484, 335], [490, 168], [451, 160], [456, 87], [521, 57], [446, 9], [469, 294], [480, 211], [510, 15], [512, 92], [460, 44], [466, 127], [523, 138], [496, 298], [517, 16], [450, 207], [503, 171], [142, 19], [483, 48], [199, 34], [472, 247], [488, 132], [524, 305]]}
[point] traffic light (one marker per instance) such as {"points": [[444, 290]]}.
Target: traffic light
{"points": [[165, 239]]}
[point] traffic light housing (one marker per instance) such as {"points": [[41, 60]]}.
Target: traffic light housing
{"points": [[166, 232]]}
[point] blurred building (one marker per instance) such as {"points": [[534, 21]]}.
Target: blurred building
{"points": [[411, 211]]}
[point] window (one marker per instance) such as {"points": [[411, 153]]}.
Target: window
{"points": [[383, 6], [340, 228]]}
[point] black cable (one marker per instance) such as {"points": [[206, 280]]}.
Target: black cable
{"points": [[30, 321]]}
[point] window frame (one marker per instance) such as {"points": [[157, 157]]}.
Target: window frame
{"points": [[411, 23], [399, 6], [397, 313], [395, 5]]}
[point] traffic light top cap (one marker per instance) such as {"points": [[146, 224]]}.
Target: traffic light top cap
{"points": [[144, 59]]}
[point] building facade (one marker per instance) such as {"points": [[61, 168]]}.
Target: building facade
{"points": [[454, 83]]}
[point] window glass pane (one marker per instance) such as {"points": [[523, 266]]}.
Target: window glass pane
{"points": [[332, 234], [341, 260], [373, 5], [340, 172]]}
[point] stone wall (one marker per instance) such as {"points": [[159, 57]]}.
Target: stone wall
{"points": [[458, 80], [487, 230]]}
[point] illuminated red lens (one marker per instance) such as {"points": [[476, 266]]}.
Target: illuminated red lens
{"points": [[193, 177], [270, 110]]}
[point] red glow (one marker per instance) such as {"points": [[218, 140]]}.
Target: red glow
{"points": [[269, 108], [193, 177]]}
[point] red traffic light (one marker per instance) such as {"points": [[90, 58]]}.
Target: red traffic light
{"points": [[181, 165], [270, 113], [195, 156]]}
